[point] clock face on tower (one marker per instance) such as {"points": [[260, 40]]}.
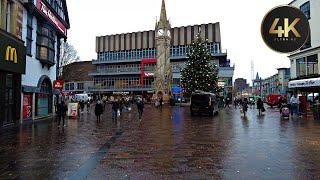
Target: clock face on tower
{"points": [[162, 32]]}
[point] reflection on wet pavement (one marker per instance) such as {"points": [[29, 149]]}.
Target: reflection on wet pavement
{"points": [[167, 144]]}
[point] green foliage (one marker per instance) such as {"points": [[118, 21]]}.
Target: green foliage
{"points": [[200, 72]]}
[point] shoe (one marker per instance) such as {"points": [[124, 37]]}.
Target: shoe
{"points": [[64, 125], [58, 126]]}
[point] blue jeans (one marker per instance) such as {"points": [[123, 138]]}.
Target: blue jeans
{"points": [[294, 109], [114, 114]]}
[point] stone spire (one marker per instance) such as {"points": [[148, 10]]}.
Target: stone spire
{"points": [[163, 21], [257, 76]]}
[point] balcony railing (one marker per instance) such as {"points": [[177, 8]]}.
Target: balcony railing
{"points": [[136, 88]]}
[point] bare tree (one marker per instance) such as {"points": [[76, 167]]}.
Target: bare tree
{"points": [[68, 56]]}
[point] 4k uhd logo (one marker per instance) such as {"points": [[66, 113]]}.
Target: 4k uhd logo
{"points": [[285, 29]]}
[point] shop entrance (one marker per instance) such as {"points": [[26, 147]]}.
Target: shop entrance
{"points": [[9, 101]]}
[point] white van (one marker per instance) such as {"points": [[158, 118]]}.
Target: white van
{"points": [[81, 97]]}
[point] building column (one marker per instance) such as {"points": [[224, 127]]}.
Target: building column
{"points": [[33, 106], [21, 108]]}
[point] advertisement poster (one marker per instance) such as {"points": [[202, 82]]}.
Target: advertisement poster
{"points": [[72, 109], [27, 106]]}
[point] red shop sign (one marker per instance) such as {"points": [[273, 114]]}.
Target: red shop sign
{"points": [[48, 14], [58, 84]]}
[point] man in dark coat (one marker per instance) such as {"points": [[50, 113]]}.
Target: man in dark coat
{"points": [[98, 110], [115, 107], [140, 106], [61, 112]]}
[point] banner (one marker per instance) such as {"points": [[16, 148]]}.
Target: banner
{"points": [[72, 109], [27, 106]]}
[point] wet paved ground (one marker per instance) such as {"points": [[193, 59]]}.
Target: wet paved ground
{"points": [[167, 144]]}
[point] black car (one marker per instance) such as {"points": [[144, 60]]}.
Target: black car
{"points": [[204, 102]]}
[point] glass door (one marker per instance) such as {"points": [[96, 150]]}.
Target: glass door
{"points": [[9, 96]]}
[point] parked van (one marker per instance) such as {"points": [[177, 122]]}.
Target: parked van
{"points": [[81, 97], [204, 102], [273, 99]]}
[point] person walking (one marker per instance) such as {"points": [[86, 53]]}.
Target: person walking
{"points": [[98, 110], [88, 106], [245, 106], [260, 106], [294, 104], [161, 102], [81, 105], [62, 112], [140, 106], [115, 108]]}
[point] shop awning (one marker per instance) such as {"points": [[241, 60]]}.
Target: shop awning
{"points": [[314, 82]]}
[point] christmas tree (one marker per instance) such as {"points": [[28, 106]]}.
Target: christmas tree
{"points": [[200, 73]]}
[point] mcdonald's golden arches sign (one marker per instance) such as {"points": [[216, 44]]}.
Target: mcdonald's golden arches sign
{"points": [[12, 54]]}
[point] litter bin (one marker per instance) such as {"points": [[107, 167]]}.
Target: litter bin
{"points": [[316, 111]]}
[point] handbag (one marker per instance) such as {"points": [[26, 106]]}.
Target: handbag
{"points": [[241, 110], [263, 109]]}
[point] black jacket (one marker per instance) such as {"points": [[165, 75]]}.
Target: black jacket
{"points": [[98, 110], [62, 109]]}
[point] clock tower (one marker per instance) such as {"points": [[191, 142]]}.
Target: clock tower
{"points": [[163, 74]]}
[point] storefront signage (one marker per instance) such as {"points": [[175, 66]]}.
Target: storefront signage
{"points": [[72, 110], [221, 84], [148, 74], [48, 14], [121, 93], [314, 82], [58, 84], [12, 54]]}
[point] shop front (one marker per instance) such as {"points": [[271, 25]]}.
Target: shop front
{"points": [[12, 65], [308, 91], [38, 101]]}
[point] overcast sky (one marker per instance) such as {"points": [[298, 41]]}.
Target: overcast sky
{"points": [[239, 22]]}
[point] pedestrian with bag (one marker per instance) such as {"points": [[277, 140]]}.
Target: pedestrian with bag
{"points": [[98, 110], [260, 106], [62, 112], [140, 107]]}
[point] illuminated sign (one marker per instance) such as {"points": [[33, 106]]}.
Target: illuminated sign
{"points": [[58, 84], [221, 83], [148, 74], [12, 54]]}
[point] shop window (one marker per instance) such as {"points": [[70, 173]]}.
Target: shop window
{"points": [[44, 99], [312, 64], [301, 67], [80, 86], [71, 86], [45, 44], [29, 34]]}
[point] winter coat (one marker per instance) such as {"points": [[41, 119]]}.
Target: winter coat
{"points": [[140, 105], [62, 109], [98, 110], [115, 106]]}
